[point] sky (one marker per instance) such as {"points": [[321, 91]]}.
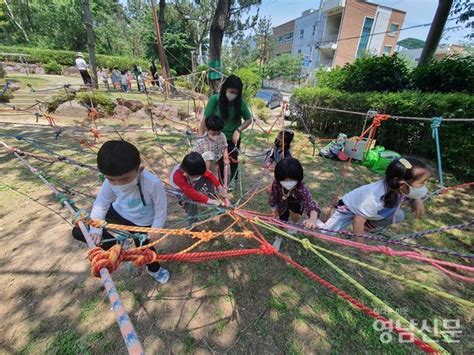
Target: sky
{"points": [[418, 12]]}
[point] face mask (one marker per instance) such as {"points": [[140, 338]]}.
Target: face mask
{"points": [[231, 97], [127, 187], [194, 179], [417, 192], [289, 184]]}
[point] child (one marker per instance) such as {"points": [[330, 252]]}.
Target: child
{"points": [[102, 76], [130, 195], [124, 80], [378, 204], [191, 176], [278, 152], [213, 146], [289, 197], [115, 77]]}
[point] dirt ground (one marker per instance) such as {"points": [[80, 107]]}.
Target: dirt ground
{"points": [[50, 303]]}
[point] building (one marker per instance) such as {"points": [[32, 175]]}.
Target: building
{"points": [[339, 32], [443, 51]]}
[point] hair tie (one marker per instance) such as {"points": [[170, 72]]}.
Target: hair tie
{"points": [[405, 163]]}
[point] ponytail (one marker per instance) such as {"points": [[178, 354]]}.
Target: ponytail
{"points": [[403, 169]]}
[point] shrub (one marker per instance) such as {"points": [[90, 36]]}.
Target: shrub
{"points": [[330, 78], [2, 72], [262, 114], [40, 55], [257, 103], [403, 136], [52, 67], [182, 81], [447, 75], [54, 101], [97, 99], [251, 81], [385, 73]]}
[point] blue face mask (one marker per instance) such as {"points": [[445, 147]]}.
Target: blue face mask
{"points": [[417, 192]]}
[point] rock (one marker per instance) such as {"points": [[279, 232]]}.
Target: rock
{"points": [[133, 105], [140, 114], [122, 111], [72, 108], [39, 71]]}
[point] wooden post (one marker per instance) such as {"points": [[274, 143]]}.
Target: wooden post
{"points": [[90, 41]]}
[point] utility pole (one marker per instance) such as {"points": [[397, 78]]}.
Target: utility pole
{"points": [[161, 53], [90, 41], [436, 31]]}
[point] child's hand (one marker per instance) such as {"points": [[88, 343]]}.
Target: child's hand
{"points": [[214, 202], [96, 238], [154, 236], [309, 223], [225, 194], [418, 208]]}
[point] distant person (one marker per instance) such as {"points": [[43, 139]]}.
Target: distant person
{"points": [[82, 67], [153, 71], [129, 80], [115, 77], [137, 73], [161, 83], [280, 148], [104, 78], [123, 81]]}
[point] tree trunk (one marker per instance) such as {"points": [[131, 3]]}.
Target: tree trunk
{"points": [[218, 26], [159, 28], [17, 23], [436, 31], [90, 41]]}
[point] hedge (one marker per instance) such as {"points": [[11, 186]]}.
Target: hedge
{"points": [[404, 136], [67, 58]]}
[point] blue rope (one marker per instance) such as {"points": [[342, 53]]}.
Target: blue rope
{"points": [[435, 124]]}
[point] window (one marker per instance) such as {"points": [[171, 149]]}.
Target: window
{"points": [[314, 30], [280, 39], [288, 37], [387, 50], [364, 37], [301, 33], [299, 51], [394, 27]]}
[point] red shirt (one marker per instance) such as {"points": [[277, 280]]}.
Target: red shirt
{"points": [[183, 183]]}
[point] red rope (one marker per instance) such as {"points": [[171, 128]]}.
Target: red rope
{"points": [[388, 323]]}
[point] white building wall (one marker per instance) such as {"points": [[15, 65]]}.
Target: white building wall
{"points": [[381, 24], [304, 44]]}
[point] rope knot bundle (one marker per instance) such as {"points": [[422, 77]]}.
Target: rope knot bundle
{"points": [[109, 259], [80, 216]]}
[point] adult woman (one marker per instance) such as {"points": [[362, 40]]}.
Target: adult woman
{"points": [[230, 106]]}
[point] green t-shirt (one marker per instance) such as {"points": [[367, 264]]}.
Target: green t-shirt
{"points": [[231, 124]]}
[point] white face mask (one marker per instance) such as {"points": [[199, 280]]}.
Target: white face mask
{"points": [[127, 187], [289, 184], [194, 179], [230, 96], [417, 192]]}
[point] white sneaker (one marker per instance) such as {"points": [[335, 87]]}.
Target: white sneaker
{"points": [[161, 276], [277, 243]]}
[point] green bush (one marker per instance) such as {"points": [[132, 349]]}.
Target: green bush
{"points": [[54, 101], [52, 67], [67, 58], [385, 73], [182, 81], [447, 75], [403, 136], [257, 103], [96, 99], [251, 81], [331, 79], [2, 72]]}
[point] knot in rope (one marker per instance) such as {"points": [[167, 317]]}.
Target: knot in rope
{"points": [[247, 234], [109, 259], [378, 119], [306, 243], [267, 249], [205, 236], [141, 257], [97, 223], [435, 124], [80, 216], [63, 199]]}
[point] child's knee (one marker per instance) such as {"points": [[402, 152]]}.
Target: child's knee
{"points": [[77, 234]]}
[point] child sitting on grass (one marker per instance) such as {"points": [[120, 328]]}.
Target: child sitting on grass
{"points": [[130, 195], [213, 146], [378, 204], [197, 184], [289, 197], [280, 149]]}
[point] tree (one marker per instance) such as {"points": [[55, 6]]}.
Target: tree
{"points": [[464, 10], [264, 42], [411, 43], [285, 66], [436, 31], [226, 10]]}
